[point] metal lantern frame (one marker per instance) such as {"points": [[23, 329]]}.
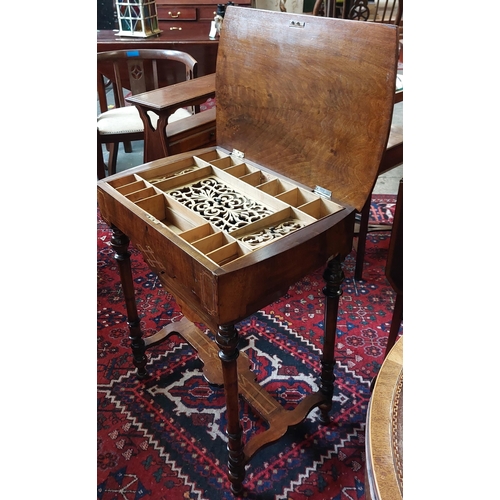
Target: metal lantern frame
{"points": [[137, 18]]}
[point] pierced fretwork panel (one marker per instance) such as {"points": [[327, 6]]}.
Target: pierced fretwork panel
{"points": [[220, 204], [271, 233]]}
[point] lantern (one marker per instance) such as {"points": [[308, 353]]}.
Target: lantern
{"points": [[137, 18]]}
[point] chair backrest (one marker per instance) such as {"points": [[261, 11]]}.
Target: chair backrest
{"points": [[318, 113], [139, 70], [379, 11]]}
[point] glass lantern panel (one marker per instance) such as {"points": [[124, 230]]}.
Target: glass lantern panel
{"points": [[135, 12], [125, 24]]}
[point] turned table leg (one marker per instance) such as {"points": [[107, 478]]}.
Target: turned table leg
{"points": [[120, 243], [227, 341], [333, 276]]}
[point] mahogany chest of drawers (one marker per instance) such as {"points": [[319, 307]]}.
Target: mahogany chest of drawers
{"points": [[179, 15]]}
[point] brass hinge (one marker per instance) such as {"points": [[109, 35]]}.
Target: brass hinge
{"points": [[325, 193], [237, 153]]}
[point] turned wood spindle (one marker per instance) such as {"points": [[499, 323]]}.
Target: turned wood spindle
{"points": [[120, 243], [333, 276], [227, 341]]}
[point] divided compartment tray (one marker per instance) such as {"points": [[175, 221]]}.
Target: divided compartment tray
{"points": [[222, 205]]}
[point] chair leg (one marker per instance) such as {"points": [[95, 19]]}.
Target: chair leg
{"points": [[363, 231], [397, 316], [127, 146], [101, 166], [113, 156]]}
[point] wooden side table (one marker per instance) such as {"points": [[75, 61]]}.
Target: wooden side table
{"points": [[384, 431], [164, 102]]}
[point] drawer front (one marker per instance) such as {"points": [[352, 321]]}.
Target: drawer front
{"points": [[181, 30], [207, 12], [175, 13]]}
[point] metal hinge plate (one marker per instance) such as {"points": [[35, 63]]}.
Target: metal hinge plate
{"points": [[237, 153], [325, 193]]}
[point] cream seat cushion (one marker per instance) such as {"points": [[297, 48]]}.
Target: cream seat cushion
{"points": [[127, 120]]}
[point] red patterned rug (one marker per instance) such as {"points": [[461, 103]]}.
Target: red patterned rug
{"points": [[163, 438]]}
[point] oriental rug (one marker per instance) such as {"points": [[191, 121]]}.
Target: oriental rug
{"points": [[163, 438]]}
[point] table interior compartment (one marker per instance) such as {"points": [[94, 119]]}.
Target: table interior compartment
{"points": [[228, 253], [213, 156], [162, 173], [276, 207], [197, 233], [185, 178], [320, 208], [308, 202], [270, 228], [120, 183], [238, 170], [249, 191], [226, 162], [213, 242], [274, 187], [175, 217], [141, 194]]}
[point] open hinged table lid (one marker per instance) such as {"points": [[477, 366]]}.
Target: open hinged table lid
{"points": [[291, 98]]}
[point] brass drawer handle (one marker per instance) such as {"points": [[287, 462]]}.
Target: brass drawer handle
{"points": [[174, 17], [175, 28]]}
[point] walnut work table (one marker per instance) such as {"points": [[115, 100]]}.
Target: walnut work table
{"points": [[301, 129]]}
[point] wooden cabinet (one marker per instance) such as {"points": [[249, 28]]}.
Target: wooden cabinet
{"points": [[179, 15], [184, 26], [194, 40]]}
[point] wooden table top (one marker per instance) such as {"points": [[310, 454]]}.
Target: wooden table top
{"points": [[177, 95], [384, 431], [193, 33]]}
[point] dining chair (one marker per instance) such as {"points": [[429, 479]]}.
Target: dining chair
{"points": [[131, 72], [392, 158], [380, 11]]}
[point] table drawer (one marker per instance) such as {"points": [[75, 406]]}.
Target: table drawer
{"points": [[207, 12], [175, 13], [185, 31]]}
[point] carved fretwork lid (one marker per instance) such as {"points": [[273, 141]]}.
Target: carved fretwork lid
{"points": [[308, 97]]}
